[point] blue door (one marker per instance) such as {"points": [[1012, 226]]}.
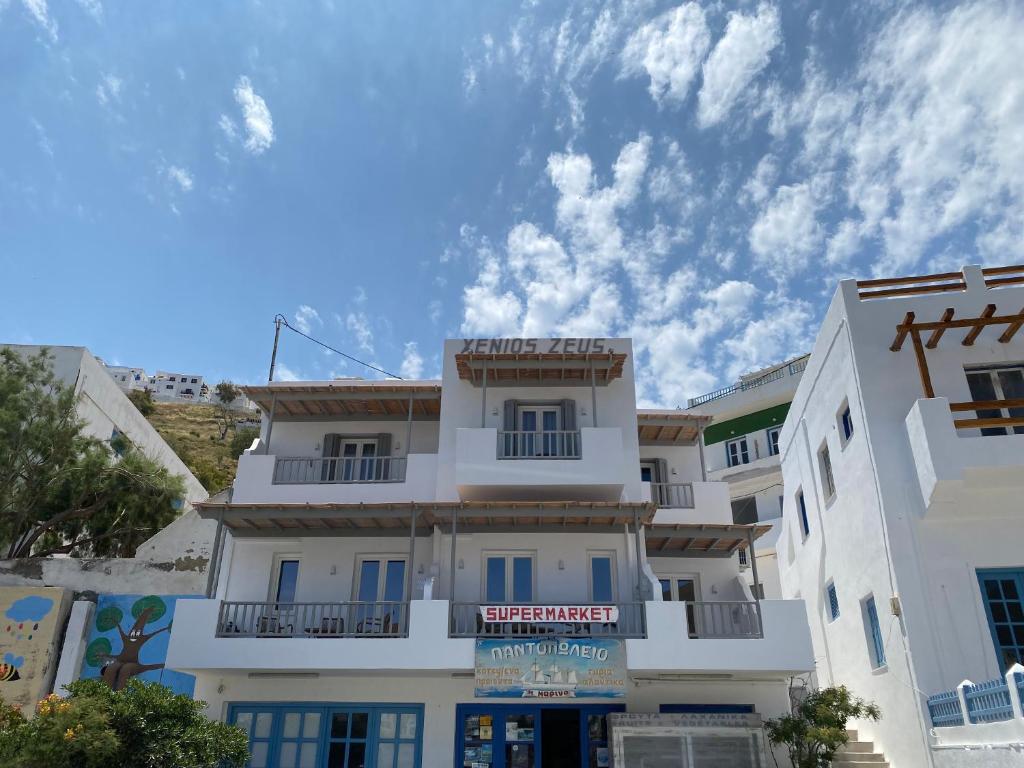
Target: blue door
{"points": [[1002, 591], [331, 735]]}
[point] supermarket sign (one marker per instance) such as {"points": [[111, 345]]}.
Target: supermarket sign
{"points": [[549, 614]]}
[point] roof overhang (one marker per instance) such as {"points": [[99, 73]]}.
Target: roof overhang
{"points": [[396, 519], [663, 427], [547, 368], [699, 540], [340, 400]]}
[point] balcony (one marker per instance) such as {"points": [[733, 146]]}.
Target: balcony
{"points": [[955, 463], [791, 369], [467, 621], [767, 637], [312, 479], [587, 465], [696, 502], [351, 619], [672, 495]]}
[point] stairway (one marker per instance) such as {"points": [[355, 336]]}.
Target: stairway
{"points": [[859, 754]]}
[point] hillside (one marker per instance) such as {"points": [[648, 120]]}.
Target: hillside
{"points": [[193, 431]]}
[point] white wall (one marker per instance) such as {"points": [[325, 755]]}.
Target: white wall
{"points": [[305, 438]]}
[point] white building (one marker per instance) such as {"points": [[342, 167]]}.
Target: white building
{"points": [[107, 412], [903, 530], [128, 379], [741, 448], [169, 386], [477, 571]]}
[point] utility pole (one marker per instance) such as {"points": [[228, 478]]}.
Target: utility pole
{"points": [[273, 355]]}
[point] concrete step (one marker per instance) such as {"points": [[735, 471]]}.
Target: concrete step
{"points": [[855, 763], [858, 746], [851, 735], [859, 758]]}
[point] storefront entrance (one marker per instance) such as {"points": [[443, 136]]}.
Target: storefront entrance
{"points": [[532, 736]]}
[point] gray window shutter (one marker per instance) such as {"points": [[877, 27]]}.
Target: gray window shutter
{"points": [[331, 449], [384, 444], [383, 464], [661, 471], [332, 445], [662, 495], [569, 415], [510, 415]]}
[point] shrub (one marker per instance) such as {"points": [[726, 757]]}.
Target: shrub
{"points": [[816, 728]]}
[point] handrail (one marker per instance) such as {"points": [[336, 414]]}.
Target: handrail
{"points": [[548, 444], [725, 619], [302, 470], [983, 421], [672, 495], [382, 618], [465, 621], [792, 369]]}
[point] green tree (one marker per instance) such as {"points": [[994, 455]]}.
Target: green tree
{"points": [[816, 727], [142, 726], [62, 491], [142, 399], [243, 439], [225, 394]]}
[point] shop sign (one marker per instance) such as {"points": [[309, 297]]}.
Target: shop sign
{"points": [[531, 346], [549, 614], [564, 668]]}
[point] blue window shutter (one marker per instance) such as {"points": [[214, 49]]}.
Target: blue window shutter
{"points": [[833, 602], [803, 513], [876, 633]]}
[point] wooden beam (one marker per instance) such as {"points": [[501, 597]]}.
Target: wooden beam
{"points": [[922, 364], [975, 332], [995, 282], [1012, 269], [1012, 328], [967, 322], [987, 405], [933, 340], [1005, 421], [901, 332], [905, 280], [913, 289]]}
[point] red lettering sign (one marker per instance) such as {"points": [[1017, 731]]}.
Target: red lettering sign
{"points": [[549, 614]]}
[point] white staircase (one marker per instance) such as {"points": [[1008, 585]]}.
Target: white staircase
{"points": [[859, 754]]}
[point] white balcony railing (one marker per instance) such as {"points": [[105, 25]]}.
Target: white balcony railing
{"points": [[351, 619], [560, 444], [301, 470], [724, 620], [672, 495]]}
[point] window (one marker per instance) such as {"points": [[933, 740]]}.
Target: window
{"points": [[737, 452], [380, 578], [998, 384], [828, 483], [1003, 594], [845, 424], [744, 511], [832, 601], [172, 378], [602, 576], [169, 386], [801, 508], [876, 646], [773, 441], [686, 589], [195, 381], [508, 577], [285, 579]]}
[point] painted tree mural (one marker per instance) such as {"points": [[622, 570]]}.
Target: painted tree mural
{"points": [[117, 669]]}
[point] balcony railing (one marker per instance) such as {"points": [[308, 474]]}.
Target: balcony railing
{"points": [[560, 444], [466, 621], [672, 495], [352, 619], [306, 470], [727, 620], [742, 386]]}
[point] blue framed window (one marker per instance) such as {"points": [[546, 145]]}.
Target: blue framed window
{"points": [[833, 601], [801, 507], [1002, 591], [336, 735], [846, 423], [876, 645], [773, 441]]}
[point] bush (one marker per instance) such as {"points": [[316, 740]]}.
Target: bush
{"points": [[145, 725], [816, 728], [143, 400], [243, 439]]}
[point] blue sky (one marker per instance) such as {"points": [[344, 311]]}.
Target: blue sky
{"points": [[388, 174]]}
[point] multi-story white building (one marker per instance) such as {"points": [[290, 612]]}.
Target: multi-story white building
{"points": [[189, 387], [477, 571], [128, 379], [741, 448], [902, 459]]}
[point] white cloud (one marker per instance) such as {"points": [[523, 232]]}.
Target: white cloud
{"points": [[283, 373], [434, 310], [306, 317], [109, 89], [94, 8], [40, 13], [359, 324], [228, 127], [412, 362], [181, 177], [787, 231], [469, 80], [669, 48], [738, 57], [784, 331], [487, 311], [259, 124]]}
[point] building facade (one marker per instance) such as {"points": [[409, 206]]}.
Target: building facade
{"points": [[188, 387], [741, 448], [901, 461], [477, 571]]}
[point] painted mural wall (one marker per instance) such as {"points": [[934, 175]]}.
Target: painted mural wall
{"points": [[129, 638], [31, 621]]}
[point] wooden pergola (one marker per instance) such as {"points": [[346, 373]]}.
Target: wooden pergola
{"points": [[974, 326]]}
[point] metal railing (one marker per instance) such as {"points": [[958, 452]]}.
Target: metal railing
{"points": [[724, 620], [303, 470], [742, 386], [351, 619], [672, 495], [556, 444], [465, 621]]}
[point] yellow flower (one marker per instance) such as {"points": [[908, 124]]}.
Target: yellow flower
{"points": [[63, 707], [69, 734]]}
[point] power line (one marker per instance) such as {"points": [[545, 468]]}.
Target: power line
{"points": [[282, 320]]}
